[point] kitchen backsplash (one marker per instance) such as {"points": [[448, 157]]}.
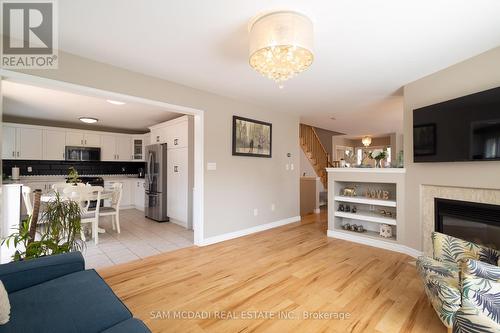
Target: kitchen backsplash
{"points": [[44, 168]]}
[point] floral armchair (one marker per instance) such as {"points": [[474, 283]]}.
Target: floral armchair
{"points": [[462, 284]]}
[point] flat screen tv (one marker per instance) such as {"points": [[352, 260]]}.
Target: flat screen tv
{"points": [[463, 129]]}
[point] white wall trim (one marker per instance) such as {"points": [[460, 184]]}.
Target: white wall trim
{"points": [[248, 231], [199, 125], [376, 243]]}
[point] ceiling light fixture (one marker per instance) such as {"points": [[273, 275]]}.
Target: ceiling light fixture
{"points": [[88, 120], [115, 102], [366, 141], [281, 44]]}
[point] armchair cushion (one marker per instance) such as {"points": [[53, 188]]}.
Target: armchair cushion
{"points": [[481, 289], [23, 274], [471, 320], [452, 250], [441, 284]]}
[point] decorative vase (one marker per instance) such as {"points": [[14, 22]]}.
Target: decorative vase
{"points": [[378, 163]]}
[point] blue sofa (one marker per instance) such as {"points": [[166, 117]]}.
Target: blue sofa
{"points": [[56, 294]]}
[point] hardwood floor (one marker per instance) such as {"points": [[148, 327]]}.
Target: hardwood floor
{"points": [[284, 272]]}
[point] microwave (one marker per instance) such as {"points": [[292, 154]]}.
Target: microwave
{"points": [[83, 153]]}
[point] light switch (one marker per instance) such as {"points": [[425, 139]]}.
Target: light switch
{"points": [[211, 166], [287, 167], [291, 167], [255, 212]]}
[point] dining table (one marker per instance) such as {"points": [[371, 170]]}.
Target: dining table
{"points": [[105, 195]]}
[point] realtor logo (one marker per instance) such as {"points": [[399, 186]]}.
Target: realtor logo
{"points": [[29, 34]]}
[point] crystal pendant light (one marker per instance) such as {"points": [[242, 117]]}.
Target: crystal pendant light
{"points": [[281, 44]]}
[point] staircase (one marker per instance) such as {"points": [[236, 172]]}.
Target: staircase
{"points": [[315, 152]]}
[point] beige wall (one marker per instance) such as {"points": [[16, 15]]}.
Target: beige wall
{"points": [[473, 75], [239, 184]]}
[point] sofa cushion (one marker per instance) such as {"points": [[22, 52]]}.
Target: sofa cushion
{"points": [[78, 302], [131, 325], [4, 305]]}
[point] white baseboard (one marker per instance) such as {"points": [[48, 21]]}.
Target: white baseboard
{"points": [[248, 231], [317, 210], [376, 243]]}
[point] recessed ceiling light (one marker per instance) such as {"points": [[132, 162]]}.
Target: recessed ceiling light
{"points": [[115, 102], [88, 120]]}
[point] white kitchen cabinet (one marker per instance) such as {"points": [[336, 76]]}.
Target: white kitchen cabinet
{"points": [[74, 138], [92, 140], [82, 139], [116, 148], [54, 145], [21, 143], [138, 147], [177, 188], [139, 192], [9, 142], [29, 143], [177, 136], [108, 148], [159, 134], [123, 148]]}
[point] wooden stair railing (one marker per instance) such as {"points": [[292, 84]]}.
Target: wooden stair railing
{"points": [[315, 152]]}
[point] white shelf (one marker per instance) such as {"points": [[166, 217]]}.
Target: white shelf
{"points": [[367, 216], [367, 234], [361, 200]]}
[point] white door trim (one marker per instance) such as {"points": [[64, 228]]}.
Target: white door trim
{"points": [[199, 123]]}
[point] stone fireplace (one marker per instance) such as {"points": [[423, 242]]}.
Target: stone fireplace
{"points": [[460, 209]]}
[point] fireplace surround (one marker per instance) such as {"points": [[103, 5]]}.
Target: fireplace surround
{"points": [[475, 222], [428, 193]]}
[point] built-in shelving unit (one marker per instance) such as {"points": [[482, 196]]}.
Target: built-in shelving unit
{"points": [[370, 212]]}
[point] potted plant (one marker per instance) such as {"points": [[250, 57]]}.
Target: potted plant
{"points": [[73, 176], [378, 155], [60, 232]]}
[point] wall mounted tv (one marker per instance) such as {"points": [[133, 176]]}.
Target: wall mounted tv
{"points": [[462, 129]]}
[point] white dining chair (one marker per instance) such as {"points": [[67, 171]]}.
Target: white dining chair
{"points": [[59, 187], [83, 195], [26, 193], [114, 209]]}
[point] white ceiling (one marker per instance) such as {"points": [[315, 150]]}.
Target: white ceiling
{"points": [[365, 51], [35, 103]]}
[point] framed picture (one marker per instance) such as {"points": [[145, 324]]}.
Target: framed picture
{"points": [[251, 137], [424, 140]]}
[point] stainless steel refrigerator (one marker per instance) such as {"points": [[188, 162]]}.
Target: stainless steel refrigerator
{"points": [[156, 182]]}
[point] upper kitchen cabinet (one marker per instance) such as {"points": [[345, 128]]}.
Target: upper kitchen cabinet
{"points": [[21, 143], [54, 143], [175, 133], [116, 148], [138, 146], [82, 139], [124, 148]]}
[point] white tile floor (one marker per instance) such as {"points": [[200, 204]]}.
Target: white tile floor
{"points": [[139, 238]]}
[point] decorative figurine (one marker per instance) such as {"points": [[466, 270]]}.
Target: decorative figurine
{"points": [[349, 191], [354, 210], [347, 208], [346, 226], [385, 195], [341, 208], [360, 228], [385, 231]]}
